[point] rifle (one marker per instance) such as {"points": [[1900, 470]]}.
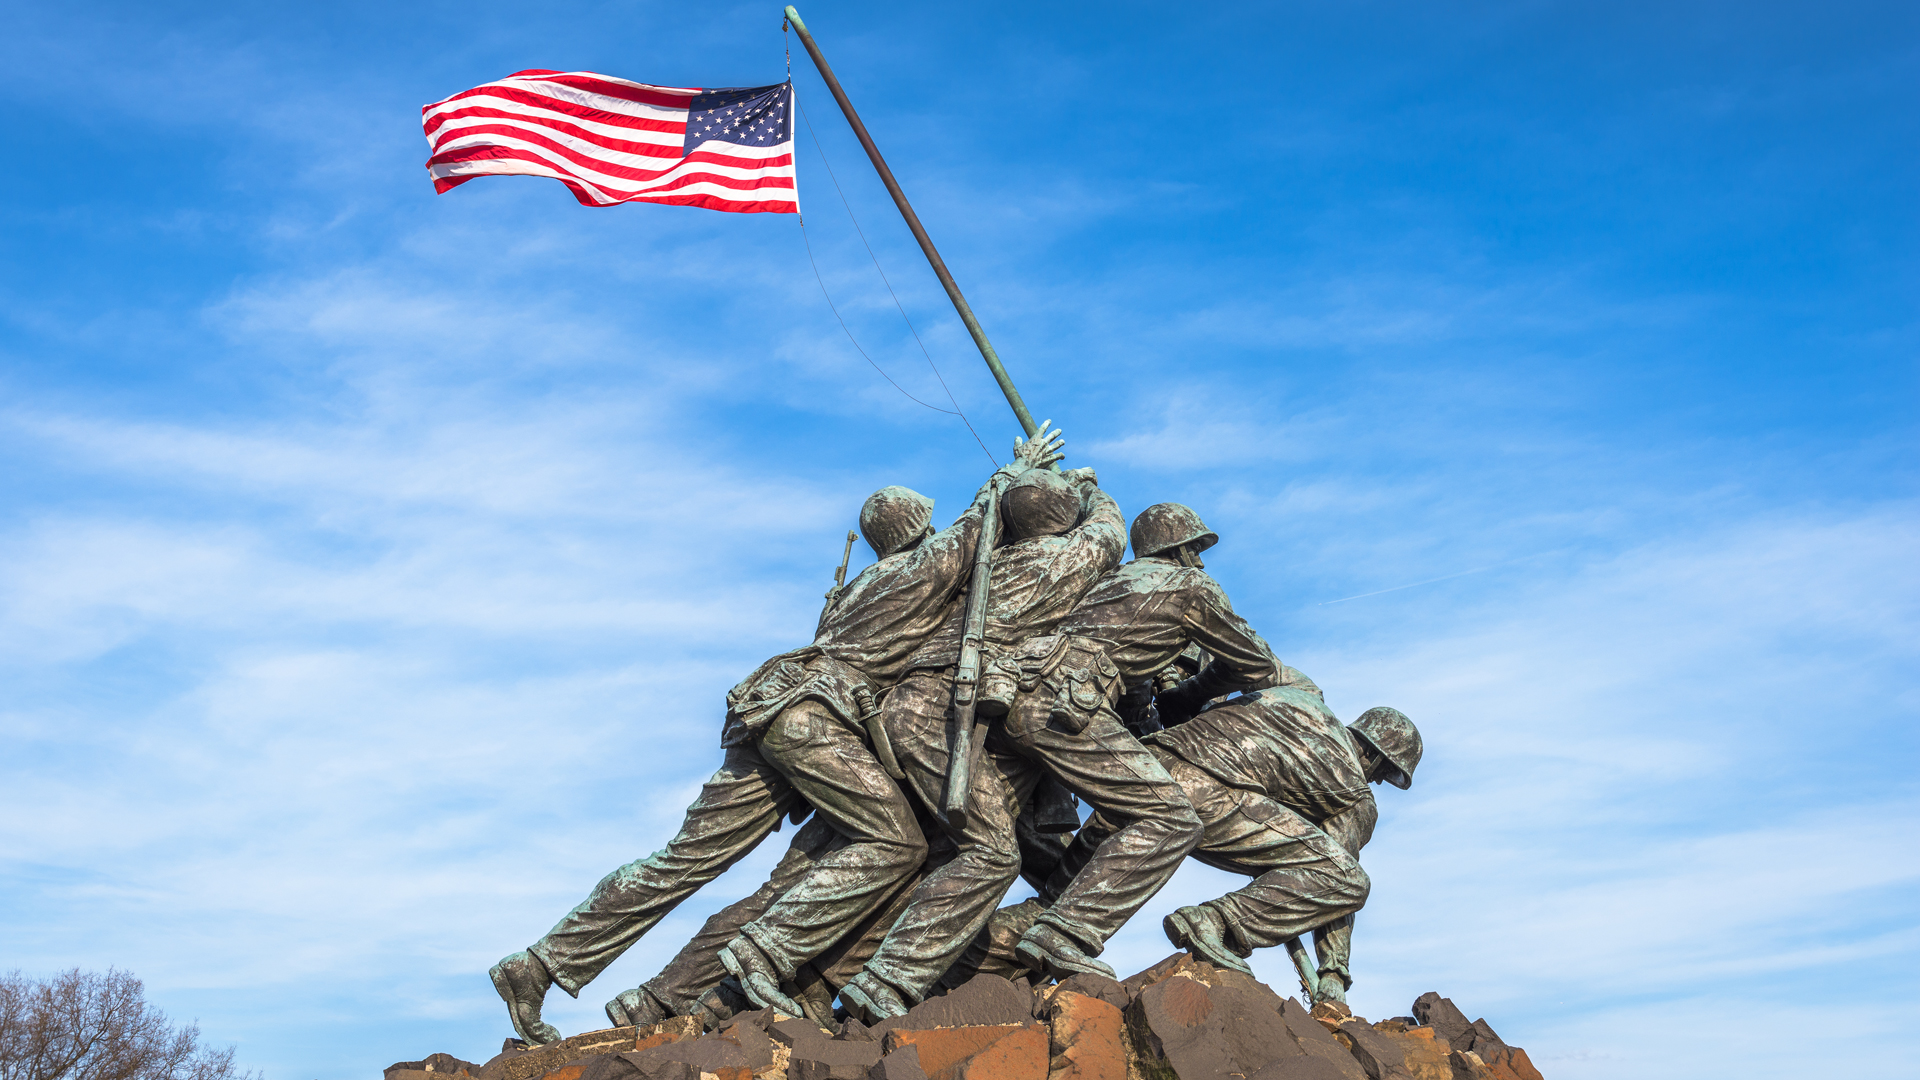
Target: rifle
{"points": [[839, 575], [968, 736], [1304, 966]]}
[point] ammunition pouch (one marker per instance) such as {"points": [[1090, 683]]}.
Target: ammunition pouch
{"points": [[790, 678], [1063, 682]]}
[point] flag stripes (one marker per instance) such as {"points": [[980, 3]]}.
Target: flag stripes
{"points": [[613, 141]]}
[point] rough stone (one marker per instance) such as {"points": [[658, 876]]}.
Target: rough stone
{"points": [[1315, 1041], [1449, 1024], [1181, 1032], [541, 1060], [496, 1065], [795, 1031], [444, 1065], [1379, 1055], [1236, 1027], [655, 1069], [1159, 972], [1020, 1056], [1467, 1066], [1423, 1054], [955, 1053], [1331, 1014], [1091, 985], [982, 1000], [832, 1059], [709, 1055], [748, 1031], [1086, 1037], [902, 1064]]}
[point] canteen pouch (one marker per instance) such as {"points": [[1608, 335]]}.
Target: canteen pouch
{"points": [[1088, 683], [998, 688]]}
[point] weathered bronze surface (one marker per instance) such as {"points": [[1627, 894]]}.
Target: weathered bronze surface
{"points": [[961, 696]]}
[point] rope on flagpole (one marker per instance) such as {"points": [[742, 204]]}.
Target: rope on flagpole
{"points": [[957, 410], [831, 306]]}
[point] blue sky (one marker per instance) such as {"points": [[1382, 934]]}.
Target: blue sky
{"points": [[373, 562]]}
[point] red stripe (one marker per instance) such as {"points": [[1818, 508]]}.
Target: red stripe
{"points": [[664, 99], [628, 172], [714, 157], [433, 123], [714, 202], [601, 165], [443, 185], [552, 104], [514, 127], [507, 153]]}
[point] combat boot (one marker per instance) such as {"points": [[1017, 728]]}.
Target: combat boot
{"points": [[1050, 952], [1199, 931], [757, 975], [521, 980], [871, 1000], [635, 1008]]}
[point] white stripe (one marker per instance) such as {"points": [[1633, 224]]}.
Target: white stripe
{"points": [[616, 106], [456, 140], [530, 114], [501, 167], [689, 91], [619, 183], [664, 170], [545, 86]]}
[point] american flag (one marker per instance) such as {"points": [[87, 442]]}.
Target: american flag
{"points": [[614, 141]]}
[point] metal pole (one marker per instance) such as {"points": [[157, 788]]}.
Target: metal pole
{"points": [[919, 233]]}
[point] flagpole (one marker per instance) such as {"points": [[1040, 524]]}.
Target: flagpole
{"points": [[919, 232]]}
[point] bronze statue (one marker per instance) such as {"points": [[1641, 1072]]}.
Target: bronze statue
{"points": [[794, 739], [1062, 534], [1102, 681], [1282, 787]]}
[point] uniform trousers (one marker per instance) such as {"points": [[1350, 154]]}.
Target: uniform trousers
{"points": [[807, 756], [1302, 877], [1102, 764]]}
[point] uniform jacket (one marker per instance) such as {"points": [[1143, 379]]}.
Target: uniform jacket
{"points": [[881, 617], [1146, 612], [1285, 743], [1037, 581]]}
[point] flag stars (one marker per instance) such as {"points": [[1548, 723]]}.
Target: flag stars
{"points": [[755, 117]]}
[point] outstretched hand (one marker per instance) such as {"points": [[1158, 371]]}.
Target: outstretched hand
{"points": [[1041, 451]]}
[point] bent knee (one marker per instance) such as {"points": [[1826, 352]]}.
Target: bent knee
{"points": [[905, 851], [1183, 825], [1352, 888]]}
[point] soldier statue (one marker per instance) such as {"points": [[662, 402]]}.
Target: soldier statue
{"points": [[1282, 788], [794, 740]]}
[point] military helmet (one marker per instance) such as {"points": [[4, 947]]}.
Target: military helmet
{"points": [[893, 518], [1394, 736], [1164, 526], [1040, 503]]}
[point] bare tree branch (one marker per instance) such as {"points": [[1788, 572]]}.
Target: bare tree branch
{"points": [[80, 1025]]}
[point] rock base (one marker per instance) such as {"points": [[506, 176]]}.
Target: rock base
{"points": [[1181, 1019]]}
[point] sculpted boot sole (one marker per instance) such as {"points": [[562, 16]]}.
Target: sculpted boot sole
{"points": [[1192, 929], [1047, 950], [757, 977], [522, 983], [871, 1000], [635, 1008]]}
